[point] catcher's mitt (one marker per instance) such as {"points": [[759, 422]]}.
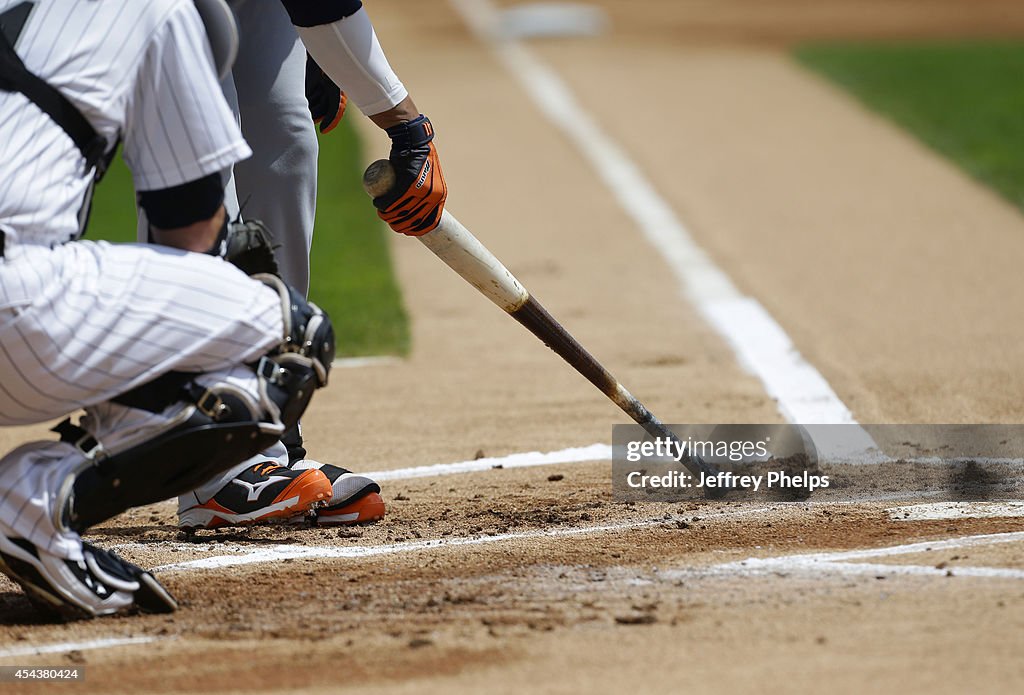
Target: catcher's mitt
{"points": [[250, 247]]}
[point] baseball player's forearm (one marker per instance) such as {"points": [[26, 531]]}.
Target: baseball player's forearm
{"points": [[348, 51], [339, 36], [190, 216], [403, 112], [199, 237]]}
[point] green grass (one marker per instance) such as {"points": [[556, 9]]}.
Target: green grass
{"points": [[113, 206], [963, 99], [352, 275]]}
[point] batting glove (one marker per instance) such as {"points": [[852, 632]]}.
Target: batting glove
{"points": [[326, 100], [414, 204]]}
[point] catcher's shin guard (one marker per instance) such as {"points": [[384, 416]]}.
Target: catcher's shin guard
{"points": [[219, 427], [212, 436]]}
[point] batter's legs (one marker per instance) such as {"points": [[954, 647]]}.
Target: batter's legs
{"points": [[278, 183]]}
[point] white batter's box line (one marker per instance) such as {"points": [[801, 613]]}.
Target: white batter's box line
{"points": [[945, 461], [988, 509], [839, 562], [275, 553], [60, 647], [592, 453], [603, 452], [244, 555], [359, 362]]}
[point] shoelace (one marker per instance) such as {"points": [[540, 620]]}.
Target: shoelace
{"points": [[267, 467]]}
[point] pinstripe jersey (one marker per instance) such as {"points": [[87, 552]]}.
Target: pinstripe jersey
{"points": [[82, 322], [121, 62]]}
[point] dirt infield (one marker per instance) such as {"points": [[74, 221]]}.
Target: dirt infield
{"points": [[867, 249]]}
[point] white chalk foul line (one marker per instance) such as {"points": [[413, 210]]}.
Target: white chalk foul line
{"points": [[60, 647], [838, 562], [247, 555], [757, 340]]}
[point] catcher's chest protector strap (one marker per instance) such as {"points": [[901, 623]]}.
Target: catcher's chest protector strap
{"points": [[15, 77]]}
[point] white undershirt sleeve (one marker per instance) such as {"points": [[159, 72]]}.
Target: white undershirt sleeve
{"points": [[349, 52]]}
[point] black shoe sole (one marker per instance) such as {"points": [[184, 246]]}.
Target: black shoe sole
{"points": [[152, 597]]}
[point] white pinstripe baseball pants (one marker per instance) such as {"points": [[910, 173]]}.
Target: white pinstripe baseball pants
{"points": [[84, 322]]}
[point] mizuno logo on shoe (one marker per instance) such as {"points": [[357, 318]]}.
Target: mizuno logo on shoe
{"points": [[254, 490]]}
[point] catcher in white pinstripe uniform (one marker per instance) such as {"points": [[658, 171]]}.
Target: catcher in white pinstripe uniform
{"points": [[184, 365]]}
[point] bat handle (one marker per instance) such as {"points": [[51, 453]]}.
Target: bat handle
{"points": [[457, 247]]}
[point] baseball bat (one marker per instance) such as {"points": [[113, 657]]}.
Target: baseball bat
{"points": [[463, 253]]}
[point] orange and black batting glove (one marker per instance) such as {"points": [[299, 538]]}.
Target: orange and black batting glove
{"points": [[414, 204], [326, 100]]}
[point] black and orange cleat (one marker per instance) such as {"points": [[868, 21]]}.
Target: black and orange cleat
{"points": [[265, 492], [355, 498]]}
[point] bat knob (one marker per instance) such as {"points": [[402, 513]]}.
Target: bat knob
{"points": [[379, 178]]}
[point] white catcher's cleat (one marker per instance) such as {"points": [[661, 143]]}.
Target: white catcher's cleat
{"points": [[101, 583]]}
